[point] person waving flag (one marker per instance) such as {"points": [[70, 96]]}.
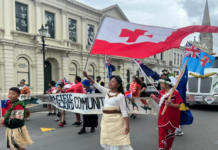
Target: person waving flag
{"points": [[109, 67]]}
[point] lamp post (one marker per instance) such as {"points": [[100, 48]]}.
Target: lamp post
{"points": [[43, 33]]}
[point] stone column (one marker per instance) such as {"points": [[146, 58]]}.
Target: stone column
{"points": [[8, 67], [65, 66], [38, 15], [2, 86], [7, 19], [64, 26], [39, 72], [33, 68], [84, 35]]}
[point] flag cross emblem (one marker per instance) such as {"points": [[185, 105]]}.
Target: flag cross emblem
{"points": [[204, 60], [133, 35]]}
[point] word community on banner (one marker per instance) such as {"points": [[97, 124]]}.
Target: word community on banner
{"points": [[92, 103]]}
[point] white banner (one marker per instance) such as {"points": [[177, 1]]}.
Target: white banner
{"points": [[92, 103]]}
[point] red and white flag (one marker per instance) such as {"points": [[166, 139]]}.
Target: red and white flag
{"points": [[122, 38]]}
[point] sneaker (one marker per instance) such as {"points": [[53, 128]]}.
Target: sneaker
{"points": [[77, 124], [54, 114], [179, 133], [74, 123], [92, 130], [49, 114], [57, 119], [64, 122], [61, 124], [134, 117], [82, 131]]}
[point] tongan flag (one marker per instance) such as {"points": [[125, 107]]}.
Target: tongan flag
{"points": [[128, 94], [186, 117], [122, 38], [3, 106], [109, 67], [192, 54], [205, 61], [147, 71]]}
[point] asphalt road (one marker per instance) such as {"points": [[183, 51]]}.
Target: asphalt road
{"points": [[201, 135]]}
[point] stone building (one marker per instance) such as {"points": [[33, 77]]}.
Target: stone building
{"points": [[71, 27]]}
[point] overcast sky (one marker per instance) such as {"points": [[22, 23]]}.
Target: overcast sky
{"points": [[165, 13]]}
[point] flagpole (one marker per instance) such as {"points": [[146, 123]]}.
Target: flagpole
{"points": [[146, 76]]}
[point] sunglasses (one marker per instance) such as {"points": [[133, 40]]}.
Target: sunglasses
{"points": [[21, 82]]}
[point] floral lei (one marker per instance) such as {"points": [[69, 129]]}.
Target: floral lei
{"points": [[165, 82], [12, 107]]}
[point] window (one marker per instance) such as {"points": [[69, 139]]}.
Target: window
{"points": [[72, 72], [137, 73], [161, 56], [23, 70], [180, 59], [128, 76], [177, 59], [154, 56], [91, 71], [49, 23], [21, 17], [90, 34], [72, 30], [174, 58], [176, 72]]}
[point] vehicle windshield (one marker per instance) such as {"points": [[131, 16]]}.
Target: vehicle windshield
{"points": [[215, 63]]}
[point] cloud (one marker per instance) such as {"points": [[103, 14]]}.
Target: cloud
{"points": [[165, 13]]}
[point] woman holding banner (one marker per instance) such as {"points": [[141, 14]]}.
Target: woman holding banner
{"points": [[115, 122]]}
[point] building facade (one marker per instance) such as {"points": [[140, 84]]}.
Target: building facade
{"points": [[71, 28]]}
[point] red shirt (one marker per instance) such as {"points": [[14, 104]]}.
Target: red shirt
{"points": [[171, 114], [78, 88], [16, 108]]}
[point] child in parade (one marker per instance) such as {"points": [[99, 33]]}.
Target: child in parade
{"points": [[51, 91], [63, 113], [115, 122], [17, 135], [89, 120], [167, 123]]}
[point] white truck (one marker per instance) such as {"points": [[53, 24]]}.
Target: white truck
{"points": [[204, 90]]}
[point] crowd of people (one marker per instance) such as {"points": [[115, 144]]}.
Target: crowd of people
{"points": [[114, 123]]}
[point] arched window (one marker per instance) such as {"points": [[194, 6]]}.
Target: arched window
{"points": [[91, 71], [23, 70], [72, 72], [128, 76]]}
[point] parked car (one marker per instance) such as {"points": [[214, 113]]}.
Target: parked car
{"points": [[151, 90]]}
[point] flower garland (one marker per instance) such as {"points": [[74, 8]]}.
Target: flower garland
{"points": [[165, 96], [165, 82], [12, 107]]}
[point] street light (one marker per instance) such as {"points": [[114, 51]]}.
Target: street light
{"points": [[43, 33]]}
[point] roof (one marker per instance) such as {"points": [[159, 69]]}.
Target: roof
{"points": [[116, 7]]}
